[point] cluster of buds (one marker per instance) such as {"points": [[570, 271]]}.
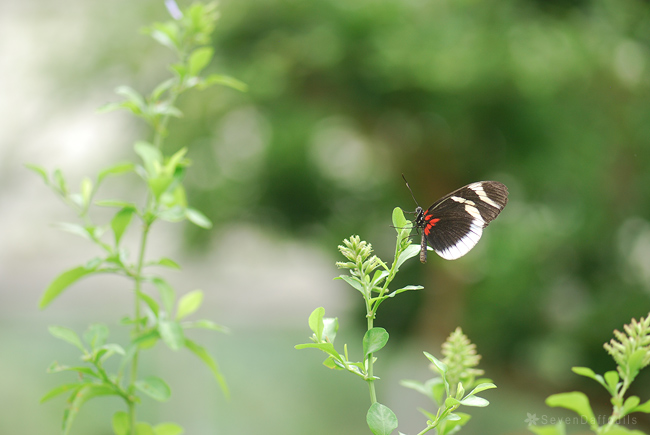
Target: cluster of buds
{"points": [[461, 359]]}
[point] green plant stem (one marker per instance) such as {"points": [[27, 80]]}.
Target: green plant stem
{"points": [[371, 312], [136, 328], [371, 380], [160, 127], [619, 399]]}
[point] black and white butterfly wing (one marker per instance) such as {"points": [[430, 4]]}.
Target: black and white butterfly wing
{"points": [[454, 224]]}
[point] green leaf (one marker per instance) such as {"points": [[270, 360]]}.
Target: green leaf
{"points": [[57, 391], [428, 414], [645, 407], [379, 276], [198, 218], [175, 161], [399, 221], [189, 303], [86, 190], [76, 229], [108, 350], [117, 169], [374, 340], [142, 428], [81, 370], [353, 282], [482, 387], [151, 157], [325, 347], [316, 322], [410, 252], [453, 424], [62, 282], [165, 33], [611, 381], [155, 388], [635, 362], [175, 197], [174, 214], [166, 262], [589, 373], [331, 363], [381, 420], [40, 171], [442, 367], [405, 289], [67, 334], [474, 401], [59, 182], [120, 222], [218, 79], [81, 396], [171, 333], [630, 404], [330, 328], [96, 335], [438, 388], [168, 429], [159, 184], [167, 294], [161, 88], [210, 362], [121, 423], [151, 303], [199, 59], [180, 70], [133, 97], [575, 401], [557, 429]]}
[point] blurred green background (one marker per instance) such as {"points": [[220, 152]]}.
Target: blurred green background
{"points": [[549, 97]]}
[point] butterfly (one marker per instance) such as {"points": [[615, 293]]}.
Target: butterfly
{"points": [[454, 224]]}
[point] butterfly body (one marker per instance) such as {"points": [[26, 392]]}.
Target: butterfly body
{"points": [[454, 224]]}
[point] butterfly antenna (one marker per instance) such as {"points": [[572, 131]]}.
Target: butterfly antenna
{"points": [[409, 187]]}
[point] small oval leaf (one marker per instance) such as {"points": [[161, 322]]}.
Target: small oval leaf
{"points": [[374, 340], [67, 334], [474, 401], [316, 322], [575, 401], [120, 222], [171, 333], [198, 218], [381, 420], [189, 303], [121, 423], [167, 294], [168, 429], [155, 388]]}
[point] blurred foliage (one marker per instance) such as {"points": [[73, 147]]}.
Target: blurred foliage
{"points": [[549, 97]]}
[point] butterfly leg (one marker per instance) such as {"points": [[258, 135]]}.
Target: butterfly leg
{"points": [[423, 249]]}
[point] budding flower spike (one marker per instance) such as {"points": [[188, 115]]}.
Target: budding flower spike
{"points": [[454, 224]]}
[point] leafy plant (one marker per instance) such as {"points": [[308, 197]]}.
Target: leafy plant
{"points": [[455, 375], [154, 318], [631, 352], [371, 277]]}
